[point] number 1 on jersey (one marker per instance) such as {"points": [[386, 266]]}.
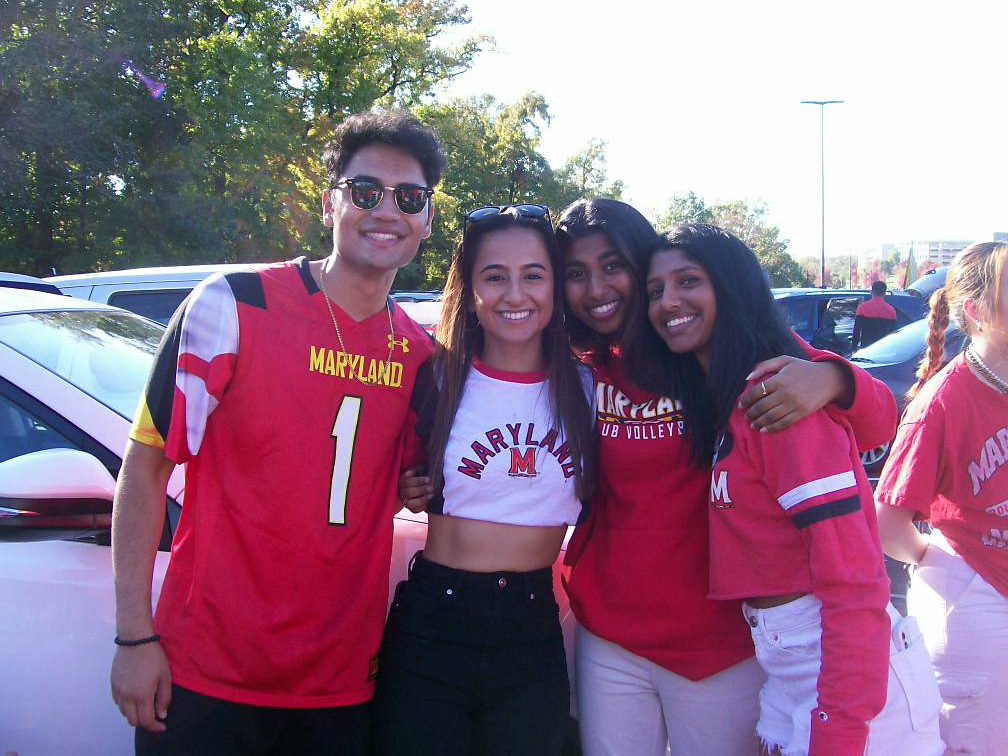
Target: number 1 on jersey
{"points": [[344, 430]]}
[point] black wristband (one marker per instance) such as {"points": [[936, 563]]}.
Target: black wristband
{"points": [[138, 642]]}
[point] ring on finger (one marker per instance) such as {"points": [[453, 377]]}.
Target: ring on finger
{"points": [[763, 386]]}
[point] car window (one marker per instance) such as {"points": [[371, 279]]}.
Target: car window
{"points": [[840, 310], [156, 305], [799, 314], [23, 433], [105, 354]]}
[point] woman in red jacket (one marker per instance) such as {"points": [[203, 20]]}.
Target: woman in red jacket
{"points": [[658, 663], [793, 530]]}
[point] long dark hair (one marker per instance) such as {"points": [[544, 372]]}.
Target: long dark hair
{"points": [[748, 328], [632, 236], [460, 338]]}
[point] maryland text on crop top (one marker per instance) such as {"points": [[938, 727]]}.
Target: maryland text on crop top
{"points": [[506, 460]]}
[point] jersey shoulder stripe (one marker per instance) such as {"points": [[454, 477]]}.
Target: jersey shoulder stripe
{"points": [[818, 487], [247, 288], [826, 510]]}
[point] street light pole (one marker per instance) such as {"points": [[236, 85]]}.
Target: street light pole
{"points": [[822, 168]]}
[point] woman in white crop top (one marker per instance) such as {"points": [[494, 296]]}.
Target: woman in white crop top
{"points": [[472, 660]]}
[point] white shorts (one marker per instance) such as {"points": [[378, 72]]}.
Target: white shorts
{"points": [[964, 620], [788, 646]]}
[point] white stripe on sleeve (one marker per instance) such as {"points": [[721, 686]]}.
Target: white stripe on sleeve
{"points": [[818, 487], [209, 328]]}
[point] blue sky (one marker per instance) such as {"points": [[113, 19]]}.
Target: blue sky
{"points": [[705, 96]]}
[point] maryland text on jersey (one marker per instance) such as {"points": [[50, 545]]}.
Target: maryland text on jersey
{"points": [[520, 441], [357, 366], [992, 456], [659, 417]]}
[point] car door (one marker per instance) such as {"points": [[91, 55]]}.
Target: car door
{"points": [[57, 592]]}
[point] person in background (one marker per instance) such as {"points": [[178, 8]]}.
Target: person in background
{"points": [[473, 660], [874, 318], [792, 522], [659, 664], [288, 393], [949, 466]]}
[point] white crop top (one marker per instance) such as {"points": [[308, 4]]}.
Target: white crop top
{"points": [[505, 460]]}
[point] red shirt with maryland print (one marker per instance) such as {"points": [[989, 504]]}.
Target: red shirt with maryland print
{"points": [[276, 589], [949, 462], [790, 512], [644, 546]]}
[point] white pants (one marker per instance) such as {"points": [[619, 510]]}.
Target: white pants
{"points": [[788, 646], [964, 621], [630, 706]]}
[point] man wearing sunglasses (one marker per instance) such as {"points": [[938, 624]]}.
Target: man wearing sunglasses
{"points": [[290, 392]]}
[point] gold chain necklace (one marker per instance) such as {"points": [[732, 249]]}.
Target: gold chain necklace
{"points": [[339, 336], [981, 367]]}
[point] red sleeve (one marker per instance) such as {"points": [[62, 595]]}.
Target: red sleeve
{"points": [[911, 477], [872, 415], [811, 470]]}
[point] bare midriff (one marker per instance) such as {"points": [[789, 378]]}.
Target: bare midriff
{"points": [[766, 602], [479, 546]]}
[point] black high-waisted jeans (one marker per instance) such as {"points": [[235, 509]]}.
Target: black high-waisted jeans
{"points": [[471, 664]]}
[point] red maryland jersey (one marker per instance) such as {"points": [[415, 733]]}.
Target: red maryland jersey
{"points": [[276, 590], [950, 463]]}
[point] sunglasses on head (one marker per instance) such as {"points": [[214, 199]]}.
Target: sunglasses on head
{"points": [[366, 193], [523, 210]]}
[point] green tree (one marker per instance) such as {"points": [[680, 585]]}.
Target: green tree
{"points": [[585, 174], [493, 158], [94, 173], [748, 222]]}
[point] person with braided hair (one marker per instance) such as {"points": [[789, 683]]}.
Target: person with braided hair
{"points": [[949, 466]]}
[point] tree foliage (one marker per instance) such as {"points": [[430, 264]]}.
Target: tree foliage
{"points": [[493, 158], [748, 222], [96, 174]]}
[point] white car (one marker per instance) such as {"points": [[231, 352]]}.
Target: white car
{"points": [[156, 293], [71, 374]]}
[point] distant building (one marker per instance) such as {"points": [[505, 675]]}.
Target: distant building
{"points": [[938, 252]]}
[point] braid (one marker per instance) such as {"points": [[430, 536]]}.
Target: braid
{"points": [[938, 320]]}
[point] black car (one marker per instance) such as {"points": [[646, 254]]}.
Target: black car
{"points": [[825, 317], [893, 359]]}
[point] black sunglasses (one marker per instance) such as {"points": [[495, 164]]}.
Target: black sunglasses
{"points": [[523, 210], [366, 193]]}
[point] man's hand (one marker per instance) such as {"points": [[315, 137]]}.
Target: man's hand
{"points": [[414, 489], [141, 685]]}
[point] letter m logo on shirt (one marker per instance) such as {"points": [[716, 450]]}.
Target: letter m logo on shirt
{"points": [[523, 464], [719, 490]]}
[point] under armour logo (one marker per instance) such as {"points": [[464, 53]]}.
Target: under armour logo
{"points": [[402, 343]]}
